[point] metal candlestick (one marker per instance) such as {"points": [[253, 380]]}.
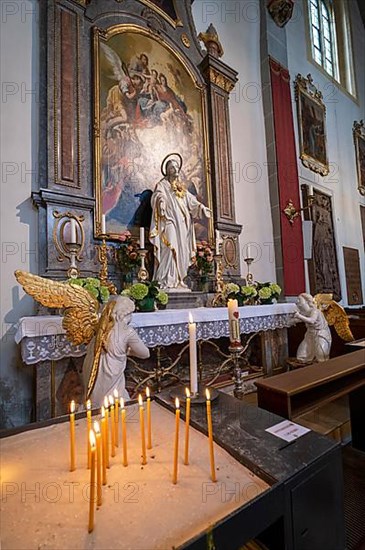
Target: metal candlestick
{"points": [[73, 249], [103, 259], [142, 272], [249, 276], [236, 352]]}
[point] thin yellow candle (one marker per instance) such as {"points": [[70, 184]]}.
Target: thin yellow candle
{"points": [[106, 409], [149, 428], [92, 481], [116, 401], [88, 416], [210, 436], [187, 424], [141, 421], [124, 432], [104, 445], [98, 463], [112, 424], [176, 448], [72, 437]]}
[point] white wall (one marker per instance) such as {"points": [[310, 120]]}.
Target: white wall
{"points": [[238, 27], [19, 107]]}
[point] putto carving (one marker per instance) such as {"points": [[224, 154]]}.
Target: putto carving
{"points": [[211, 41], [281, 11]]}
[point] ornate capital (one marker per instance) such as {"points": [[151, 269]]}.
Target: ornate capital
{"points": [[220, 80]]}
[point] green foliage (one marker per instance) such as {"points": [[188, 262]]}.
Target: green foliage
{"points": [[255, 294], [140, 292], [92, 285]]}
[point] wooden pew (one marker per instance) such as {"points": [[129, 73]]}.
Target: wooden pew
{"points": [[294, 393]]}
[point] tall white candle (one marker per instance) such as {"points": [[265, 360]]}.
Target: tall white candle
{"points": [[217, 241], [193, 358], [310, 191], [103, 225], [73, 231], [249, 251], [141, 237], [234, 324]]}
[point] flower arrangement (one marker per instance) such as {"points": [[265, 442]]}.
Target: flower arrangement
{"points": [[204, 259], [93, 285], [257, 293], [146, 295], [127, 254]]}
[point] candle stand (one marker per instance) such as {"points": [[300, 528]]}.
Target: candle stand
{"points": [[103, 259], [196, 398], [249, 276], [142, 272], [73, 250], [236, 356]]}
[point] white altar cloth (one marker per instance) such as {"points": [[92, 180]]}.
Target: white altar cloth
{"points": [[43, 337]]}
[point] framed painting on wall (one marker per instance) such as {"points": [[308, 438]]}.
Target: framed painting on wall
{"points": [[359, 140], [311, 125], [148, 104]]}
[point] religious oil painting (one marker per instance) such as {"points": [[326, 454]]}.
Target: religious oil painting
{"points": [[311, 125], [359, 140], [147, 105]]}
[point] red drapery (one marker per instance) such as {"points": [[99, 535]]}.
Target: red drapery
{"points": [[291, 235]]}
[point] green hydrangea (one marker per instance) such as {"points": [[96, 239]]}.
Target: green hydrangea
{"points": [[138, 291], [94, 291], [76, 282], [249, 291], [162, 297], [92, 281], [104, 294], [265, 293], [275, 289], [232, 288], [126, 292]]}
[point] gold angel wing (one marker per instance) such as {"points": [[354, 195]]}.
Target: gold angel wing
{"points": [[106, 323], [81, 308], [335, 315]]}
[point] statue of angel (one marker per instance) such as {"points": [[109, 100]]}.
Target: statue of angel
{"points": [[318, 313], [110, 338]]}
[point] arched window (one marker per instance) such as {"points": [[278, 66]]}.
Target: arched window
{"points": [[323, 34]]}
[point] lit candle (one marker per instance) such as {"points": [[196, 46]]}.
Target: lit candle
{"points": [[124, 432], [116, 416], [192, 353], [92, 482], [73, 235], [98, 463], [72, 436], [103, 225], [104, 444], [149, 430], [310, 191], [112, 424], [88, 416], [210, 436], [176, 448], [141, 420], [248, 251], [141, 237], [234, 323], [187, 423], [217, 241], [106, 409]]}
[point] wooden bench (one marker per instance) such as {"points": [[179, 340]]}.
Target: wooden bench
{"points": [[294, 393]]}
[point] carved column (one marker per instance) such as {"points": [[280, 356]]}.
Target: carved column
{"points": [[220, 81]]}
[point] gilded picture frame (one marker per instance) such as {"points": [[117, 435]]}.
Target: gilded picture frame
{"points": [[311, 112], [148, 103], [359, 142]]}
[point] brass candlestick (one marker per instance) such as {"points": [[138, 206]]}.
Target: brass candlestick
{"points": [[142, 272], [103, 259], [73, 249], [249, 276]]}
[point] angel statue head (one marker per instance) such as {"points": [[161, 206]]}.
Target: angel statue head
{"points": [[305, 303], [123, 309]]}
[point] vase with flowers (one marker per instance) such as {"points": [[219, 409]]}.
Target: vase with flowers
{"points": [[203, 265], [147, 296], [128, 258]]}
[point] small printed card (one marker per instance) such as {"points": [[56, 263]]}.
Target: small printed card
{"points": [[287, 430]]}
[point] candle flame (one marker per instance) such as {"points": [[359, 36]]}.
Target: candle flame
{"points": [[191, 319], [102, 412], [96, 427], [121, 403], [115, 392], [177, 403], [140, 400], [148, 393], [72, 406], [106, 402], [207, 394], [187, 393], [111, 400], [92, 438], [88, 404]]}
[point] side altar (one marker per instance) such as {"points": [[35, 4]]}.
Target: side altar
{"points": [[43, 343]]}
